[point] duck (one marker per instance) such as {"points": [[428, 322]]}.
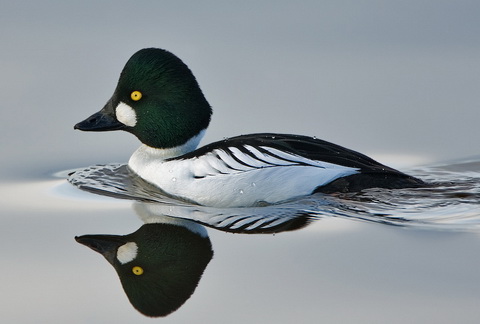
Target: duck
{"points": [[158, 99]]}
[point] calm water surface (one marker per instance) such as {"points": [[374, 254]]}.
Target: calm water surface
{"points": [[387, 256]]}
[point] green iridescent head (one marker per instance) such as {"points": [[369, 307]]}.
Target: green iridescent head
{"points": [[157, 99]]}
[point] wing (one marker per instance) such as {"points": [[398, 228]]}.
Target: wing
{"points": [[252, 152], [355, 171], [281, 149]]}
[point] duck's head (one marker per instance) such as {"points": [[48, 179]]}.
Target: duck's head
{"points": [[157, 99], [159, 265]]}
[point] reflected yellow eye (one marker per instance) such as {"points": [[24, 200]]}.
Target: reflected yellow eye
{"points": [[137, 270], [136, 95]]}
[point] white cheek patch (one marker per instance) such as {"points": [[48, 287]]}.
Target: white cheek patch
{"points": [[127, 252], [125, 114]]}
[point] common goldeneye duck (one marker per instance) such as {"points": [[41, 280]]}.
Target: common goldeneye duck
{"points": [[158, 99]]}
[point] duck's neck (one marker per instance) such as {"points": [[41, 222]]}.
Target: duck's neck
{"points": [[145, 154]]}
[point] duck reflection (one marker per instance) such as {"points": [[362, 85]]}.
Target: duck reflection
{"points": [[159, 265]]}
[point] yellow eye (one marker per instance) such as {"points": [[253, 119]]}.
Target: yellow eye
{"points": [[137, 270], [136, 95]]}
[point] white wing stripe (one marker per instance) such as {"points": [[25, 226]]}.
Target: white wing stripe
{"points": [[267, 158], [247, 158], [217, 164], [230, 161]]}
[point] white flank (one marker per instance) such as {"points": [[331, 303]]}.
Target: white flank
{"points": [[236, 179], [125, 114], [127, 252]]}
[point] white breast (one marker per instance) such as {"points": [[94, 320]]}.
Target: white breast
{"points": [[228, 177]]}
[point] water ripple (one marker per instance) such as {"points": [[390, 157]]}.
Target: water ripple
{"points": [[451, 202]]}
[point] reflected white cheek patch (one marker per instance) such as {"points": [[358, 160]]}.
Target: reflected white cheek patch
{"points": [[126, 115], [127, 252]]}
